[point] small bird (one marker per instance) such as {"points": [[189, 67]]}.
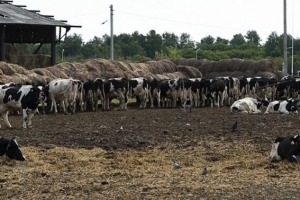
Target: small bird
{"points": [[120, 130], [176, 165], [104, 22], [234, 127], [204, 172]]}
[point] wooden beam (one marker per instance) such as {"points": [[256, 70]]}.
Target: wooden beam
{"points": [[35, 11], [2, 43], [21, 6], [48, 16]]}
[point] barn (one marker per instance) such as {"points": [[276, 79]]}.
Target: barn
{"points": [[19, 25]]}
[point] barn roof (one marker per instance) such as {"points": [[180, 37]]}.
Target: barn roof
{"points": [[20, 25], [17, 15]]}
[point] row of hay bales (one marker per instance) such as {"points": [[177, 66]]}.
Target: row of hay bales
{"points": [[233, 67], [161, 69], [96, 68]]}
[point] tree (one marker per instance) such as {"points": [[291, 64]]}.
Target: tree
{"points": [[272, 47], [222, 40], [169, 40], [152, 44], [252, 36], [238, 39], [185, 41], [208, 40]]}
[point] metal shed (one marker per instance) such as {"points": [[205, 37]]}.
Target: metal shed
{"points": [[19, 25]]}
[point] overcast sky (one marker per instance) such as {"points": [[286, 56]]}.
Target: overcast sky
{"points": [[198, 18]]}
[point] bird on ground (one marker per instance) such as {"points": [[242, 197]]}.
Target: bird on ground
{"points": [[234, 127], [120, 129], [204, 172], [176, 165]]}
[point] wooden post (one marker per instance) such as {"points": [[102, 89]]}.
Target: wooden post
{"points": [[2, 43], [53, 46]]}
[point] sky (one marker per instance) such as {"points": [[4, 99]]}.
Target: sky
{"points": [[198, 18]]}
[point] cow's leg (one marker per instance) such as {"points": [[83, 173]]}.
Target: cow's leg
{"points": [[221, 98], [30, 117], [158, 99], [5, 118], [25, 118]]}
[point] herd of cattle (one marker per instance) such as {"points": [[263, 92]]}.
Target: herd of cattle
{"points": [[245, 95]]}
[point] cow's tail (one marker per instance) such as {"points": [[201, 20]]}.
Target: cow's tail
{"points": [[69, 86]]}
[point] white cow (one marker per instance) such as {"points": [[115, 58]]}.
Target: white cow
{"points": [[64, 91], [285, 107], [246, 105]]}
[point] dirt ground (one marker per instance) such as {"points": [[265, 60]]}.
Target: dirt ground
{"points": [[82, 157]]}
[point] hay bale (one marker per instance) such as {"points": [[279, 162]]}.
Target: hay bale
{"points": [[265, 65], [189, 72], [265, 74]]}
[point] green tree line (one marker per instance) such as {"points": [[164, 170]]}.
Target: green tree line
{"points": [[137, 47]]}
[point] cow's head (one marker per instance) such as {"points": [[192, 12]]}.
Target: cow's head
{"points": [[262, 103], [292, 105], [296, 140], [11, 149]]}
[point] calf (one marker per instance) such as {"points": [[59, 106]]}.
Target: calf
{"points": [[11, 149], [285, 148], [285, 107], [247, 105], [25, 98]]}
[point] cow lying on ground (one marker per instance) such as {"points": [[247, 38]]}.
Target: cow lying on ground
{"points": [[285, 148], [11, 149], [285, 107], [247, 105]]}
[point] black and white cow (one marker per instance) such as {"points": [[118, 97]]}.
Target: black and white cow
{"points": [[232, 89], [217, 92], [169, 89], [108, 89], [196, 91], [285, 148], [186, 92], [63, 91], [139, 87], [153, 91], [285, 107], [10, 148], [88, 94], [244, 87], [14, 98]]}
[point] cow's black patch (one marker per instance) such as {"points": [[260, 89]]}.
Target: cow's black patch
{"points": [[12, 94], [276, 106]]}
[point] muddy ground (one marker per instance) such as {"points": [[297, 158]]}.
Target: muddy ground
{"points": [[82, 157]]}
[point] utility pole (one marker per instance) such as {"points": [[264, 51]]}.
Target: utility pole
{"points": [[284, 39], [111, 33]]}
